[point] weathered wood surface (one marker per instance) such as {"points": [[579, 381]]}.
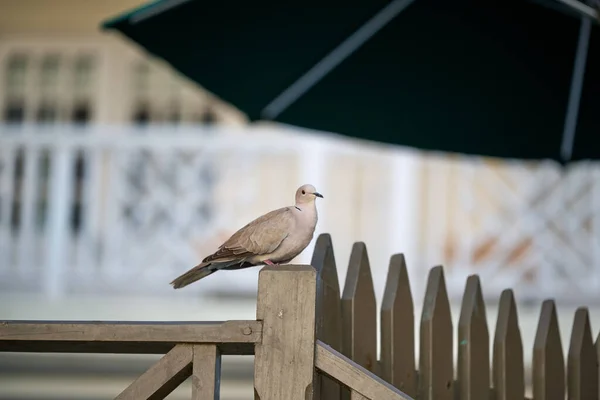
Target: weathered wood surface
{"points": [[508, 368], [357, 396], [598, 358], [548, 358], [233, 337], [284, 359], [328, 311], [582, 363], [398, 329], [359, 311], [163, 377], [436, 367], [473, 345], [206, 372], [354, 376]]}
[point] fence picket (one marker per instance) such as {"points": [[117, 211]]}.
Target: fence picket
{"points": [[436, 369], [473, 344], [508, 368], [598, 361], [359, 318], [582, 366], [398, 329], [328, 311], [548, 358]]}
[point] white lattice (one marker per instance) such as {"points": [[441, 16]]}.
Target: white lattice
{"points": [[532, 226]]}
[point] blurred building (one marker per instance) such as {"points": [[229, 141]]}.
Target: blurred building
{"points": [[57, 66]]}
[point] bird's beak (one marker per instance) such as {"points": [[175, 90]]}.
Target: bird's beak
{"points": [[317, 194]]}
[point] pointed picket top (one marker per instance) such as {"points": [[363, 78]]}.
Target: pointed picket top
{"points": [[323, 260], [582, 363], [329, 310], [508, 367], [548, 358], [473, 344], [436, 370], [359, 311], [398, 329]]}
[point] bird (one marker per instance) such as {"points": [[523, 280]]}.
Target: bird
{"points": [[271, 239]]}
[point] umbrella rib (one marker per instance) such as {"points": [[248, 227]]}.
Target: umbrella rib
{"points": [[581, 8], [154, 9], [568, 139], [334, 58]]}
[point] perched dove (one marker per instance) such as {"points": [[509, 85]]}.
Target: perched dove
{"points": [[275, 238]]}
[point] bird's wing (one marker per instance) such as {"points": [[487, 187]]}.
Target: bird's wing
{"points": [[261, 236]]}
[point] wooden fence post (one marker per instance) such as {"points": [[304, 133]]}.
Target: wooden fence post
{"points": [[284, 360]]}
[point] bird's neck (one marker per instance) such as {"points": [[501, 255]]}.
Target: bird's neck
{"points": [[308, 210]]}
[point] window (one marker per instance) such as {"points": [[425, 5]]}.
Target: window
{"points": [[14, 111], [208, 117], [49, 73], [83, 74], [15, 76], [46, 113], [141, 115], [141, 77], [16, 72]]}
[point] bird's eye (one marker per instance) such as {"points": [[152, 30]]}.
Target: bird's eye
{"points": [[303, 192]]}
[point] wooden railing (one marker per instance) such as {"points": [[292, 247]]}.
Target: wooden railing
{"points": [[311, 343], [282, 340]]}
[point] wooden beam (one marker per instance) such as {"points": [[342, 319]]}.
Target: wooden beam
{"points": [[284, 360], [232, 337], [163, 377], [206, 377], [352, 375]]}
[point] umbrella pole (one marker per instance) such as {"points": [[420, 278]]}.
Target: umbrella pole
{"points": [[566, 150]]}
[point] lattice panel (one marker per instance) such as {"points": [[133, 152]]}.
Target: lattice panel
{"points": [[533, 226], [155, 203]]}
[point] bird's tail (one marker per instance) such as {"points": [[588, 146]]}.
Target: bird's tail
{"points": [[198, 272]]}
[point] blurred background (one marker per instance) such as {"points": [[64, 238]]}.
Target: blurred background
{"points": [[117, 173]]}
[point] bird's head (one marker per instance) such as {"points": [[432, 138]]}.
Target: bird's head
{"points": [[307, 194]]}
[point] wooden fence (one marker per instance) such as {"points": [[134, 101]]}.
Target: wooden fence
{"points": [[311, 343], [348, 323]]}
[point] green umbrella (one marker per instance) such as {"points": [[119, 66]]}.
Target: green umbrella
{"points": [[503, 78]]}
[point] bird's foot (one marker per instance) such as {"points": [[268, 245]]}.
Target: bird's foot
{"points": [[269, 262]]}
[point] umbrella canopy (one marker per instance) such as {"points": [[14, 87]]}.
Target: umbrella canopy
{"points": [[503, 78]]}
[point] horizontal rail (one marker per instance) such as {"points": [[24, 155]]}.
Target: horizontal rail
{"points": [[185, 138], [359, 379], [232, 337]]}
